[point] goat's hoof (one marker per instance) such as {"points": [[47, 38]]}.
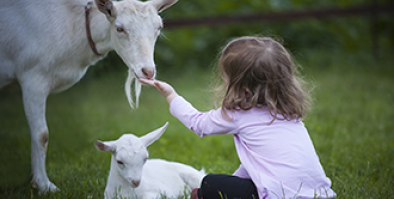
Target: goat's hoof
{"points": [[49, 187]]}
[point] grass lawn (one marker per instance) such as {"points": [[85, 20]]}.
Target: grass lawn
{"points": [[351, 125]]}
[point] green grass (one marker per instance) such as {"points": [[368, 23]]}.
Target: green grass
{"points": [[351, 125]]}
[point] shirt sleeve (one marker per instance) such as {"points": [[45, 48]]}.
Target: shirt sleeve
{"points": [[208, 123]]}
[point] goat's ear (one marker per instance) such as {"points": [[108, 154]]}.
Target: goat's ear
{"points": [[149, 138], [161, 5], [106, 7], [105, 146]]}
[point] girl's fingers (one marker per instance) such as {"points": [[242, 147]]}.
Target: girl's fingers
{"points": [[163, 88], [154, 83], [157, 84], [146, 81], [160, 87], [142, 81]]}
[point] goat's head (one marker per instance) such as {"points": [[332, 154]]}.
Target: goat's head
{"points": [[129, 154], [134, 28]]}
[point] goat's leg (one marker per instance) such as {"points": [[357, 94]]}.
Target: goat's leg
{"points": [[34, 100]]}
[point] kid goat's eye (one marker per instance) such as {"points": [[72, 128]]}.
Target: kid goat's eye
{"points": [[119, 29], [119, 162]]}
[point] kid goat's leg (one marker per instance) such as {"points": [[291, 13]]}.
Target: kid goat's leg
{"points": [[34, 100]]}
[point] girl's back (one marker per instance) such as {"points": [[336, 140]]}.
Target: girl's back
{"points": [[278, 155]]}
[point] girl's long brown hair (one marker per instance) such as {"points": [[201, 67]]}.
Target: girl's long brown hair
{"points": [[259, 72]]}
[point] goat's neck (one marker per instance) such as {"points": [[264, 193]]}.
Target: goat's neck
{"points": [[100, 30]]}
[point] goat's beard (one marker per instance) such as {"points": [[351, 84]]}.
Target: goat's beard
{"points": [[137, 89]]}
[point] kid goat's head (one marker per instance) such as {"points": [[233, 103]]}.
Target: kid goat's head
{"points": [[129, 154], [134, 28]]}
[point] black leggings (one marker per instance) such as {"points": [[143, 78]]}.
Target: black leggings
{"points": [[219, 186]]}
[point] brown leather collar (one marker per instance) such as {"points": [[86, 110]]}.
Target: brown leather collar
{"points": [[89, 36]]}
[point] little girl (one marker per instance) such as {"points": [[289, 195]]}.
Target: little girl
{"points": [[262, 108]]}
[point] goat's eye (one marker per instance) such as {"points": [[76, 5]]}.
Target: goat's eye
{"points": [[120, 162], [119, 29]]}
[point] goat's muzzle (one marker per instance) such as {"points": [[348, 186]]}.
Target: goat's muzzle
{"points": [[148, 72], [135, 183]]}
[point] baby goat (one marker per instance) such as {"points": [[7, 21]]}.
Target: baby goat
{"points": [[132, 175]]}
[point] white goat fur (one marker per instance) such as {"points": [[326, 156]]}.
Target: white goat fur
{"points": [[43, 46], [133, 175]]}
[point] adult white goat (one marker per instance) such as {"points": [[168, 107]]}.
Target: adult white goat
{"points": [[47, 46], [133, 175]]}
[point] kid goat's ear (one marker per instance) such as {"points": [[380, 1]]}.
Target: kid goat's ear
{"points": [[105, 146], [161, 5], [106, 7], [149, 138]]}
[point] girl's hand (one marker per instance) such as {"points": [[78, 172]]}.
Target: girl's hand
{"points": [[164, 89]]}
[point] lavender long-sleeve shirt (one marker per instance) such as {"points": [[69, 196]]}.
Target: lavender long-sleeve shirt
{"points": [[279, 157]]}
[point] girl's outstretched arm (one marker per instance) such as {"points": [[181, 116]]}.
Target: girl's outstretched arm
{"points": [[164, 89]]}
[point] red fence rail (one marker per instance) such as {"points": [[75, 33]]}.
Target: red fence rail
{"points": [[280, 16]]}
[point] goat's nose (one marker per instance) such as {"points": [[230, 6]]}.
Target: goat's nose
{"points": [[136, 183], [148, 72]]}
